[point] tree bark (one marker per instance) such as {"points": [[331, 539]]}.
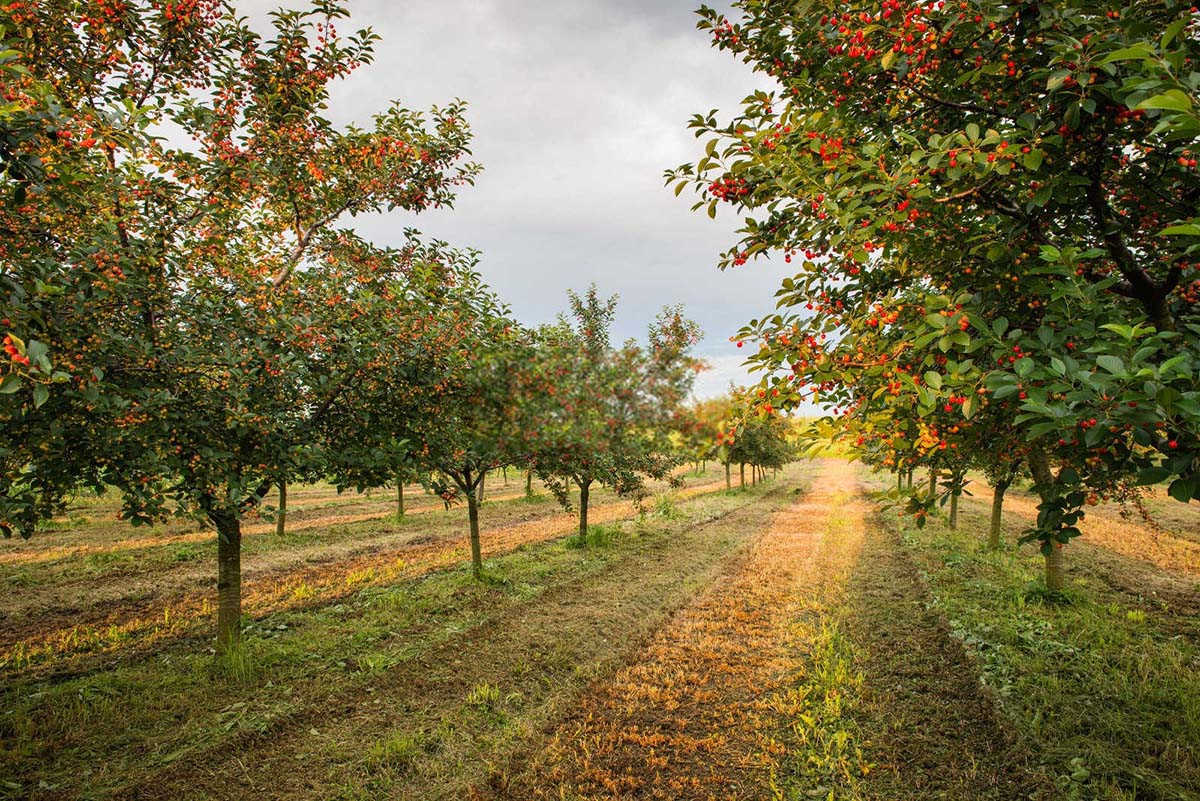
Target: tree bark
{"points": [[229, 578], [933, 482], [753, 475], [399, 497], [473, 519], [742, 475], [528, 483], [583, 512], [479, 489], [910, 478], [954, 508], [1055, 568], [281, 516], [997, 514], [1043, 479], [728, 482]]}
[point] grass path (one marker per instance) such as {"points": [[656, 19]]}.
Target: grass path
{"points": [[808, 669], [435, 723]]}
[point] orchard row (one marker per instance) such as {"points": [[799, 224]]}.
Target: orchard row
{"points": [[999, 216], [190, 322]]}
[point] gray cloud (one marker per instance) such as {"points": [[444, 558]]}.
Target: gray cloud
{"points": [[577, 108]]}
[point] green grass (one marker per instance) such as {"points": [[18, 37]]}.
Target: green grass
{"points": [[1107, 692], [102, 730]]}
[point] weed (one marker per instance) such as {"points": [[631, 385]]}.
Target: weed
{"points": [[484, 697], [234, 663], [187, 552], [396, 752], [665, 508], [598, 536]]}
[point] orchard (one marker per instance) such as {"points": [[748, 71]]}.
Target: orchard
{"points": [[924, 526]]}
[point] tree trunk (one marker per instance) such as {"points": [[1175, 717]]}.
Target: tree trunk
{"points": [[528, 483], [399, 497], [753, 475], [473, 518], [910, 478], [583, 510], [229, 579], [997, 512], [1055, 568], [505, 471], [899, 480], [742, 475], [933, 482], [703, 466], [728, 482], [479, 489], [1043, 479], [281, 515], [954, 508]]}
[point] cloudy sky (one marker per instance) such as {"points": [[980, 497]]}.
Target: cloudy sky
{"points": [[577, 108]]}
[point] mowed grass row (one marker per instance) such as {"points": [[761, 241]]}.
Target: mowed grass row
{"points": [[172, 713], [53, 621], [1104, 688]]}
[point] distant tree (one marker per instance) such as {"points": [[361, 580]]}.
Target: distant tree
{"points": [[480, 413], [613, 407]]}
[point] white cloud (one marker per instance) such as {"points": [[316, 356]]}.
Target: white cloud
{"points": [[577, 108]]}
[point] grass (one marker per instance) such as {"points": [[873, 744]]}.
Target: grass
{"points": [[1104, 689], [112, 727]]}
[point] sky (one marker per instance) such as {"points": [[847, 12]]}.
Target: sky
{"points": [[577, 108]]}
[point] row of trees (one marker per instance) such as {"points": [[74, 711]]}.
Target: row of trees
{"points": [[190, 322], [995, 211]]}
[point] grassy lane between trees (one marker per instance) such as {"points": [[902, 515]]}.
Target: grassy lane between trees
{"points": [[407, 686], [1104, 688], [69, 625], [812, 669]]}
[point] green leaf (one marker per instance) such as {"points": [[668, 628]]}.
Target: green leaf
{"points": [[1186, 229], [1182, 489], [1170, 100], [933, 379], [40, 395], [1172, 31], [10, 384], [1137, 51], [1112, 364], [1057, 79]]}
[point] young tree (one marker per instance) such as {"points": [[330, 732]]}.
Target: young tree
{"points": [[182, 317], [480, 414], [613, 407], [1034, 163]]}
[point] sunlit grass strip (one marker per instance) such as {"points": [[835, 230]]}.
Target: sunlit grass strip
{"points": [[821, 747]]}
